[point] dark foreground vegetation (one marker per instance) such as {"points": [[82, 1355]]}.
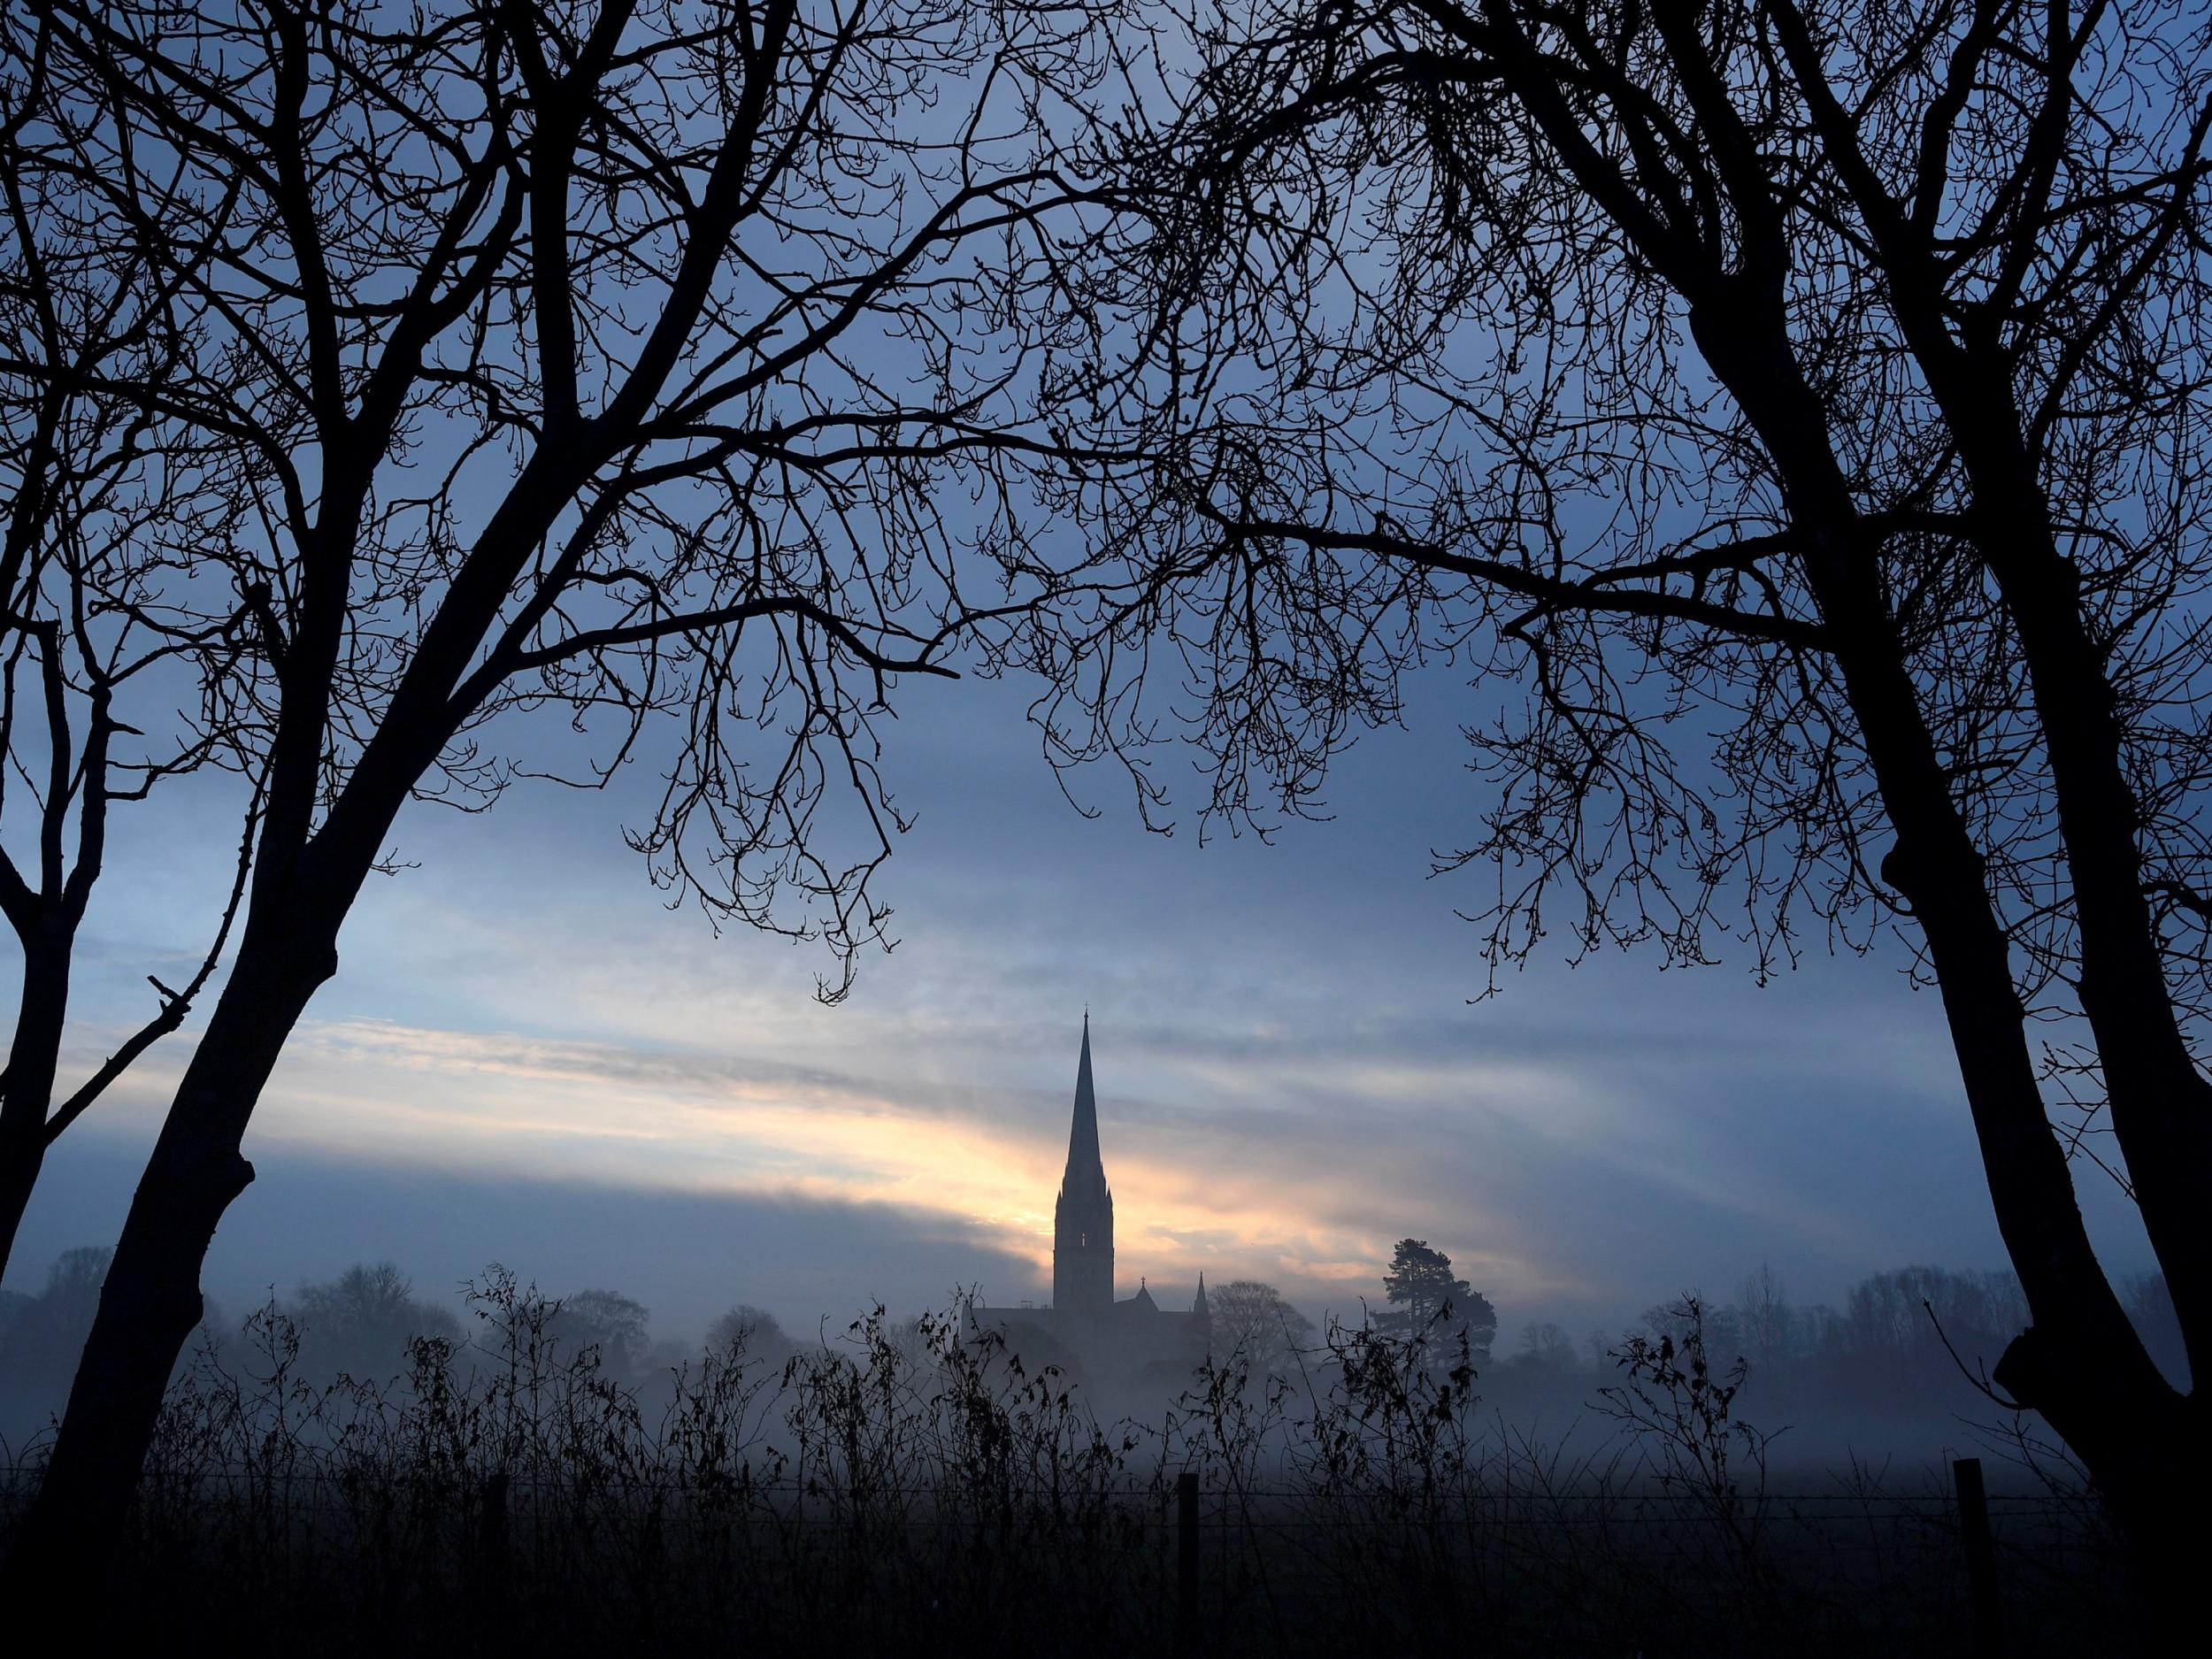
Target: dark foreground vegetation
{"points": [[906, 1489]]}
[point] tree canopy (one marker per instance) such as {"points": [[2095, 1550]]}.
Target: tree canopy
{"points": [[1251, 1322], [614, 364], [1788, 413], [362, 1323], [1420, 1280], [604, 1320]]}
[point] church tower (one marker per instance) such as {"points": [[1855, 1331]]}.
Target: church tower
{"points": [[1083, 1220]]}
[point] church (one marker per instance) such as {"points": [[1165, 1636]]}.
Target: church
{"points": [[1109, 1341]]}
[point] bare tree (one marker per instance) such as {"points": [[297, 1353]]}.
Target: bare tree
{"points": [[745, 1332], [362, 1323], [1764, 1314], [1546, 1347], [607, 361], [1251, 1322], [93, 661], [606, 1321], [1824, 377]]}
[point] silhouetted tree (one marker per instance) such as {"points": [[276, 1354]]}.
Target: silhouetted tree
{"points": [[1823, 377], [752, 1331], [1544, 1347], [1251, 1319], [605, 1320], [909, 1339], [1720, 1324], [1764, 1316], [1905, 1314], [41, 1335], [48, 1331], [606, 360], [1421, 1280], [362, 1321], [101, 510]]}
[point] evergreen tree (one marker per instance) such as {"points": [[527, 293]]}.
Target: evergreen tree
{"points": [[1421, 1280]]}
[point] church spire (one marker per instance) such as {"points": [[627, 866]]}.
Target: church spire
{"points": [[1086, 1169], [1083, 1220]]}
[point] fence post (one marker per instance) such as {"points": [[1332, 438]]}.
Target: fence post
{"points": [[1981, 1557], [1187, 1564]]}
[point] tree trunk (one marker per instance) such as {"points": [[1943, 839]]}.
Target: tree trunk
{"points": [[27, 1093], [2159, 1103], [2083, 1365], [150, 1302]]}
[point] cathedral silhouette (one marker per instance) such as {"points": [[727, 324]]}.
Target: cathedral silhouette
{"points": [[1105, 1340]]}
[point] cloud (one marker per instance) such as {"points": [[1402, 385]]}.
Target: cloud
{"points": [[1298, 1158], [689, 1255], [1291, 1075]]}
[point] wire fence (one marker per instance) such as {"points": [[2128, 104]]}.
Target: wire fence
{"points": [[1875, 1560], [22, 1471]]}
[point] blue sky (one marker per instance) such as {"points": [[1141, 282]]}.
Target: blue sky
{"points": [[526, 1058]]}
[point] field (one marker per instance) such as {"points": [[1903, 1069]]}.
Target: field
{"points": [[918, 1492]]}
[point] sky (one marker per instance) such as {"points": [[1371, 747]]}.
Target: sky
{"points": [[526, 1058]]}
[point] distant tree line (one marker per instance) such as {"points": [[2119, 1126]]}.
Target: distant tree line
{"points": [[1917, 1325], [363, 1324], [1895, 1343]]}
